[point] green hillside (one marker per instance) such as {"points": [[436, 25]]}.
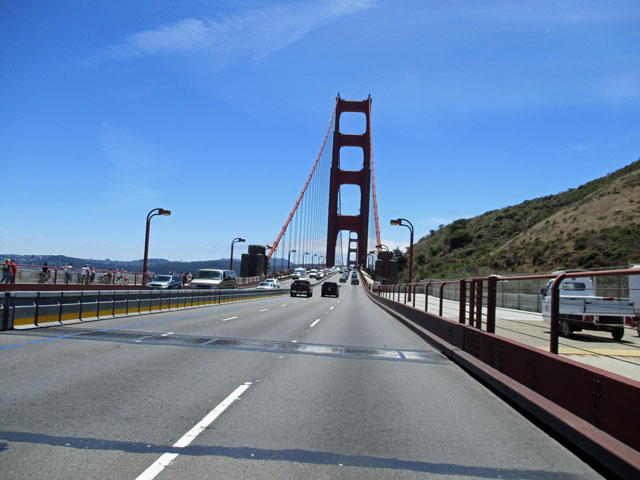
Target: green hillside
{"points": [[596, 225]]}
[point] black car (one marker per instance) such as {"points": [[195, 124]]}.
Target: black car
{"points": [[301, 287], [330, 288], [344, 277]]}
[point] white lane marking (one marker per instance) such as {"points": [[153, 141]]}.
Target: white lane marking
{"points": [[157, 466], [227, 319], [188, 437], [166, 458], [315, 323], [283, 305], [332, 307], [166, 334], [264, 309]]}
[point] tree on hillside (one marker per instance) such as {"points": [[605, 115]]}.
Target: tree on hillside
{"points": [[401, 258]]}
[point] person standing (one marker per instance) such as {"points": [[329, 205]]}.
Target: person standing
{"points": [[84, 274], [6, 271], [13, 268], [92, 275], [67, 273]]}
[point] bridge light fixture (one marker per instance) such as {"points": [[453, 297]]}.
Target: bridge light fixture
{"points": [[150, 215], [406, 223], [233, 242]]}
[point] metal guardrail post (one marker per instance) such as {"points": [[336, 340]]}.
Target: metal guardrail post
{"points": [[426, 296], [441, 297], [479, 291], [492, 288], [555, 313], [463, 301], [414, 295], [472, 302]]}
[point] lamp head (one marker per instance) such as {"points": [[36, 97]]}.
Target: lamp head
{"points": [[396, 222], [162, 211]]}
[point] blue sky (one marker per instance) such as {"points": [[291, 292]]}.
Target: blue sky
{"points": [[216, 110]]}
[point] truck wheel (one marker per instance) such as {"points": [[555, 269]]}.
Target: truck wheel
{"points": [[565, 329], [617, 333]]}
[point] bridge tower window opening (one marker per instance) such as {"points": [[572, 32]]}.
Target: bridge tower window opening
{"points": [[353, 123], [350, 200], [351, 159]]}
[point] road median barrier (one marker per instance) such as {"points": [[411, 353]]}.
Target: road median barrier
{"points": [[89, 305], [48, 309], [32, 309]]}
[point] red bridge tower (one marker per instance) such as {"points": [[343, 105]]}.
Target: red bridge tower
{"points": [[352, 223]]}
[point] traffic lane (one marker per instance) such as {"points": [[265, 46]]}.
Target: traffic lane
{"points": [[45, 366], [319, 417], [354, 320], [102, 406], [110, 451]]}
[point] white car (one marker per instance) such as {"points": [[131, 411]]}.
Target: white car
{"points": [[265, 286], [274, 281]]}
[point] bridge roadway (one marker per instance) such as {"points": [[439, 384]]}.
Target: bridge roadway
{"points": [[277, 388]]}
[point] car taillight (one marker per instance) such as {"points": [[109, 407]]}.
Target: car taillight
{"points": [[631, 321], [588, 318]]}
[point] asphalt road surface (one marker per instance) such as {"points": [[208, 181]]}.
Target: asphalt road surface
{"points": [[271, 389]]}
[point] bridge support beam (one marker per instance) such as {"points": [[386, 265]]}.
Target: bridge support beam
{"points": [[352, 223]]}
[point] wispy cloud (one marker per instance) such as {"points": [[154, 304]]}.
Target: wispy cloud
{"points": [[252, 33]]}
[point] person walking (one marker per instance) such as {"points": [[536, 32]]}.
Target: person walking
{"points": [[6, 271], [92, 275], [67, 273]]}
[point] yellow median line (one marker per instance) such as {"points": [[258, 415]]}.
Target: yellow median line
{"points": [[611, 352]]}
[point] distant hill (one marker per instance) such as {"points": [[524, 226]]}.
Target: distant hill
{"points": [[156, 265], [596, 225]]}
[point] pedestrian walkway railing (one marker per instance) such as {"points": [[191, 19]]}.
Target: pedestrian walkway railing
{"points": [[475, 301], [587, 402]]}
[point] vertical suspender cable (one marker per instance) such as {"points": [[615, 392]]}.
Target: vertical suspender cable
{"points": [[284, 228]]}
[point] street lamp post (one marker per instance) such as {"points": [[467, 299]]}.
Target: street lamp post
{"points": [[406, 223], [386, 267], [313, 260], [150, 215], [304, 264], [233, 242], [289, 259]]}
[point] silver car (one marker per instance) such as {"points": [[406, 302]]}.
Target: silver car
{"points": [[165, 282]]}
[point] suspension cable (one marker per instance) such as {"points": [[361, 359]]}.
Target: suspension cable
{"points": [[275, 244]]}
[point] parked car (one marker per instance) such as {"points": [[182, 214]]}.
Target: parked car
{"points": [[301, 287], [165, 282], [265, 286], [330, 288]]}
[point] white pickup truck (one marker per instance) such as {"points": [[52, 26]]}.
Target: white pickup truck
{"points": [[581, 309]]}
